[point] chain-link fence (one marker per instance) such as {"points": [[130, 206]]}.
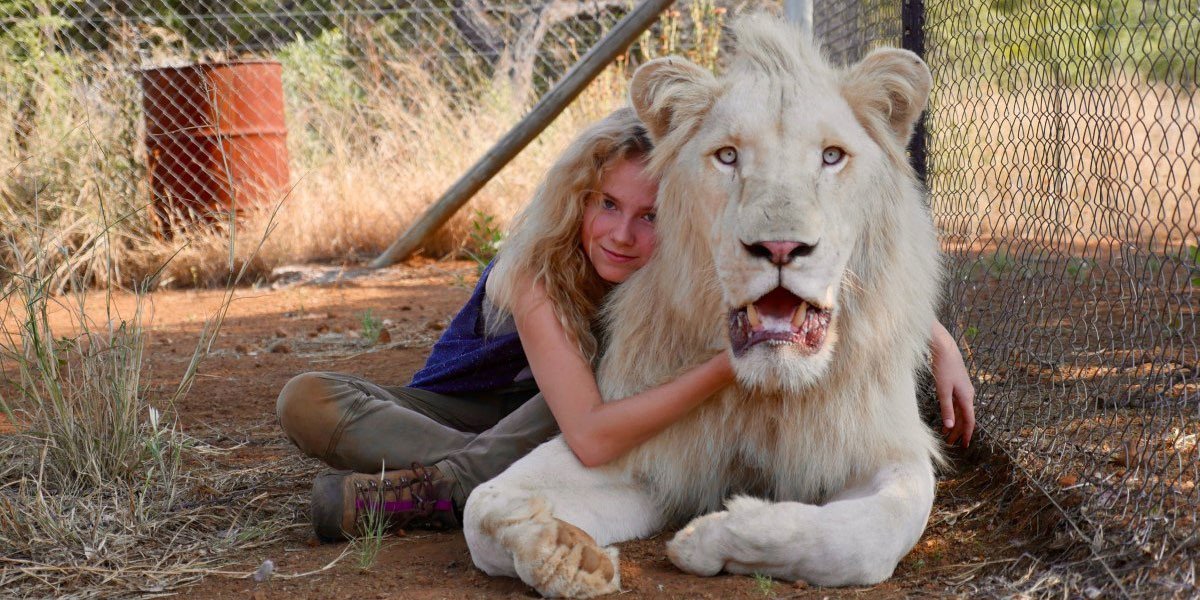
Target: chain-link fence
{"points": [[1063, 153], [355, 115]]}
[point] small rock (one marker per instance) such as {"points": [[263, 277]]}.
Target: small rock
{"points": [[280, 348], [1068, 480], [241, 349], [435, 326], [280, 333], [265, 571], [385, 337], [800, 584], [405, 307]]}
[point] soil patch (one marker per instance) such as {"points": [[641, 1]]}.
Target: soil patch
{"points": [[270, 335]]}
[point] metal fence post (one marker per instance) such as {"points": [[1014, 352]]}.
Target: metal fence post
{"points": [[912, 17], [801, 13]]}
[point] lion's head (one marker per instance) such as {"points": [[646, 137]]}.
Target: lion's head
{"points": [[795, 163]]}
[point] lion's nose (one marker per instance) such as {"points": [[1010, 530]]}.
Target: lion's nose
{"points": [[780, 253]]}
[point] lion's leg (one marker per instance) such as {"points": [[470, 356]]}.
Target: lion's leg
{"points": [[857, 538], [547, 520]]}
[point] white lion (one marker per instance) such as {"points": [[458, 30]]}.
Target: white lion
{"points": [[792, 230]]}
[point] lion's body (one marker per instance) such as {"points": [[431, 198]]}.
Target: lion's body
{"points": [[780, 445], [829, 437]]}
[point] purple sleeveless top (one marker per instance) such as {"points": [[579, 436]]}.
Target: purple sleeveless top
{"points": [[466, 360]]}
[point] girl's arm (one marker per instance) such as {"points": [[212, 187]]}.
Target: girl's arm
{"points": [[599, 431], [955, 393]]}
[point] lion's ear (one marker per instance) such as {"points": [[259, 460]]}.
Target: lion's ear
{"points": [[666, 92], [891, 85]]}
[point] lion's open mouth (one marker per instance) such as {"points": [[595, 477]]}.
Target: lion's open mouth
{"points": [[779, 318]]}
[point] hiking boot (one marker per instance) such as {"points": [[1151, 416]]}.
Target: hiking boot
{"points": [[416, 498]]}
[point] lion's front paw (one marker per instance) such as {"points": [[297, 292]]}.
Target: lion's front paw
{"points": [[695, 548], [568, 563]]}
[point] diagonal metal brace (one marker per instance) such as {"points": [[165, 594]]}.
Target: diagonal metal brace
{"points": [[543, 113]]}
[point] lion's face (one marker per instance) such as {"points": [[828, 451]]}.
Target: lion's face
{"points": [[786, 168], [787, 179]]}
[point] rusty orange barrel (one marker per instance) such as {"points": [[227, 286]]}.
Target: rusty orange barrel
{"points": [[215, 139]]}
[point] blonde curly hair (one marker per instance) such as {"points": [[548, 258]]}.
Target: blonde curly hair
{"points": [[543, 243]]}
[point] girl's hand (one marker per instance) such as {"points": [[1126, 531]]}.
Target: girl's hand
{"points": [[955, 393]]}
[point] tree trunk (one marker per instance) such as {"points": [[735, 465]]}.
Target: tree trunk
{"points": [[514, 55]]}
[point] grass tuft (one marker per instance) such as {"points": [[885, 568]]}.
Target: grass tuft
{"points": [[372, 326], [764, 584], [486, 239], [373, 525]]}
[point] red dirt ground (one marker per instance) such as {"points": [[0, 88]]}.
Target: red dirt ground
{"points": [[270, 335]]}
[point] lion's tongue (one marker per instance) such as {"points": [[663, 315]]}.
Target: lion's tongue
{"points": [[776, 309]]}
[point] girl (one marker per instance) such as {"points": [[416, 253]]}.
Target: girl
{"points": [[475, 407]]}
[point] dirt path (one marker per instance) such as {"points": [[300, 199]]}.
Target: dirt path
{"points": [[270, 335]]}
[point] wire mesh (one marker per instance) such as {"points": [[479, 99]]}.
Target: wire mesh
{"points": [[532, 42], [1063, 143], [338, 54], [1063, 151], [384, 104]]}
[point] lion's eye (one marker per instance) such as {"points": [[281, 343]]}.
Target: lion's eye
{"points": [[832, 156], [727, 155]]}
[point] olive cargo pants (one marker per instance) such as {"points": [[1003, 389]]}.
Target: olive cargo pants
{"points": [[351, 423]]}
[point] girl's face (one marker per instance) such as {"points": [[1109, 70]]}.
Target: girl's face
{"points": [[618, 224]]}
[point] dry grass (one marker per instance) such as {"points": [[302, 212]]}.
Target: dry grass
{"points": [[352, 202], [98, 485], [101, 493], [367, 157], [124, 540], [377, 130]]}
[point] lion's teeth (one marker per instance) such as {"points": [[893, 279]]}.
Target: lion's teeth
{"points": [[752, 316], [800, 314]]}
